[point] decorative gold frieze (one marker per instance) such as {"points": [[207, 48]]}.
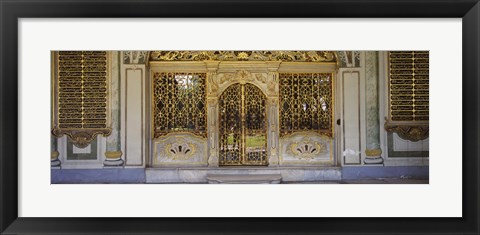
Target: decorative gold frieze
{"points": [[242, 77], [409, 132], [81, 96], [179, 103], [306, 103], [291, 56], [408, 94]]}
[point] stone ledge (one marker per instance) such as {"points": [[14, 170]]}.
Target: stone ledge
{"points": [[198, 175], [244, 179]]}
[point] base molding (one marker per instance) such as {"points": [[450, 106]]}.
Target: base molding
{"points": [[199, 175], [244, 179], [292, 174]]}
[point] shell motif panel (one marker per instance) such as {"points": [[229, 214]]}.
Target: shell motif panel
{"points": [[180, 149], [304, 148]]}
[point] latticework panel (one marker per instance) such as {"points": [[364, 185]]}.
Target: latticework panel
{"points": [[409, 85], [179, 101], [230, 105], [255, 126], [306, 102], [82, 90]]}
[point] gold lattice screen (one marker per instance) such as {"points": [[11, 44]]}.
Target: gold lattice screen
{"points": [[179, 103], [81, 95], [306, 102]]}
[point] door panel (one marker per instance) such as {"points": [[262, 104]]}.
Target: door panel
{"points": [[230, 104], [255, 126]]}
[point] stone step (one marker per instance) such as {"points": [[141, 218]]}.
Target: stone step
{"points": [[244, 179]]}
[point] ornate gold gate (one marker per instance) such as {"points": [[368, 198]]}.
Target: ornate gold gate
{"points": [[243, 126]]}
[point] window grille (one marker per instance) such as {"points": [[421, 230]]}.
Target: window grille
{"points": [[179, 101], [306, 102]]}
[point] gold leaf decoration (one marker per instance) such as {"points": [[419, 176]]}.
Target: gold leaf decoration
{"points": [[289, 56]]}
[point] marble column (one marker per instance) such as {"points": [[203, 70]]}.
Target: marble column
{"points": [[113, 155], [273, 131], [54, 161], [212, 133], [373, 152], [212, 113], [273, 112]]}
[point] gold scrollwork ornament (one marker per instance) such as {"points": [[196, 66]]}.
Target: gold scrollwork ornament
{"points": [[412, 133], [81, 138], [291, 56]]}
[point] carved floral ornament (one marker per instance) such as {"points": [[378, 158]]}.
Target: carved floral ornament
{"points": [[241, 76], [306, 149], [287, 56], [179, 149], [134, 57]]}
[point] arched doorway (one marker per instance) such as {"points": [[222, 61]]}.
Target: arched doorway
{"points": [[243, 126]]}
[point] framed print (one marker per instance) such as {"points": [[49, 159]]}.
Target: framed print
{"points": [[231, 117]]}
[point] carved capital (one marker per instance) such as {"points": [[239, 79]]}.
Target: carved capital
{"points": [[212, 66], [135, 57], [212, 83]]}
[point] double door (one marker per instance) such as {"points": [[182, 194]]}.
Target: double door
{"points": [[243, 126]]}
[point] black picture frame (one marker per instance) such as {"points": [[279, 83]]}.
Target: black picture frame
{"points": [[11, 11]]}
